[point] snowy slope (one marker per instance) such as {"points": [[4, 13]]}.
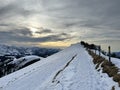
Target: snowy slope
{"points": [[70, 69], [19, 63]]}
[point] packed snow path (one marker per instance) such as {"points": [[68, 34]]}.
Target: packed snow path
{"points": [[70, 69]]}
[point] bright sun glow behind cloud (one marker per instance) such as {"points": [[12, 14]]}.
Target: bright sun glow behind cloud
{"points": [[58, 44], [34, 30]]}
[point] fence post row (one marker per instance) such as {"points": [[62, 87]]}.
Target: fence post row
{"points": [[92, 46]]}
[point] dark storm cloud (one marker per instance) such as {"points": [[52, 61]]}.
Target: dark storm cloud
{"points": [[90, 13], [14, 9], [44, 31], [4, 24], [7, 9], [14, 34], [22, 31], [25, 35], [59, 37], [104, 14], [67, 36], [102, 35], [64, 34]]}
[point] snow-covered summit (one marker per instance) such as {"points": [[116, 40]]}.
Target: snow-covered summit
{"points": [[70, 69]]}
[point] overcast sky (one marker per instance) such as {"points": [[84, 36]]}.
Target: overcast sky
{"points": [[59, 23]]}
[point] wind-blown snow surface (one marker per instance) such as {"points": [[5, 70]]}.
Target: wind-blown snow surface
{"points": [[80, 74]]}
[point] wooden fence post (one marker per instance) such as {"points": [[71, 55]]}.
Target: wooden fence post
{"points": [[109, 53], [99, 50], [95, 50]]}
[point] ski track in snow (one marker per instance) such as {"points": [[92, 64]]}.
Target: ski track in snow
{"points": [[80, 74]]}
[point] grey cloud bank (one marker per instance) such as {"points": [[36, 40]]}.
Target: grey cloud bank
{"points": [[95, 21]]}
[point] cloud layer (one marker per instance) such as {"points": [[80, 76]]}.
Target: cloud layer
{"points": [[59, 20]]}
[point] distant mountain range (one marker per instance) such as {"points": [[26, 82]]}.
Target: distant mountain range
{"points": [[23, 51], [116, 54], [13, 58]]}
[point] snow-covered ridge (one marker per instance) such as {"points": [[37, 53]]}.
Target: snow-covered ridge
{"points": [[43, 64], [80, 74]]}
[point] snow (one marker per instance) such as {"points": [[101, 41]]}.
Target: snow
{"points": [[79, 74], [27, 58], [24, 60]]}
